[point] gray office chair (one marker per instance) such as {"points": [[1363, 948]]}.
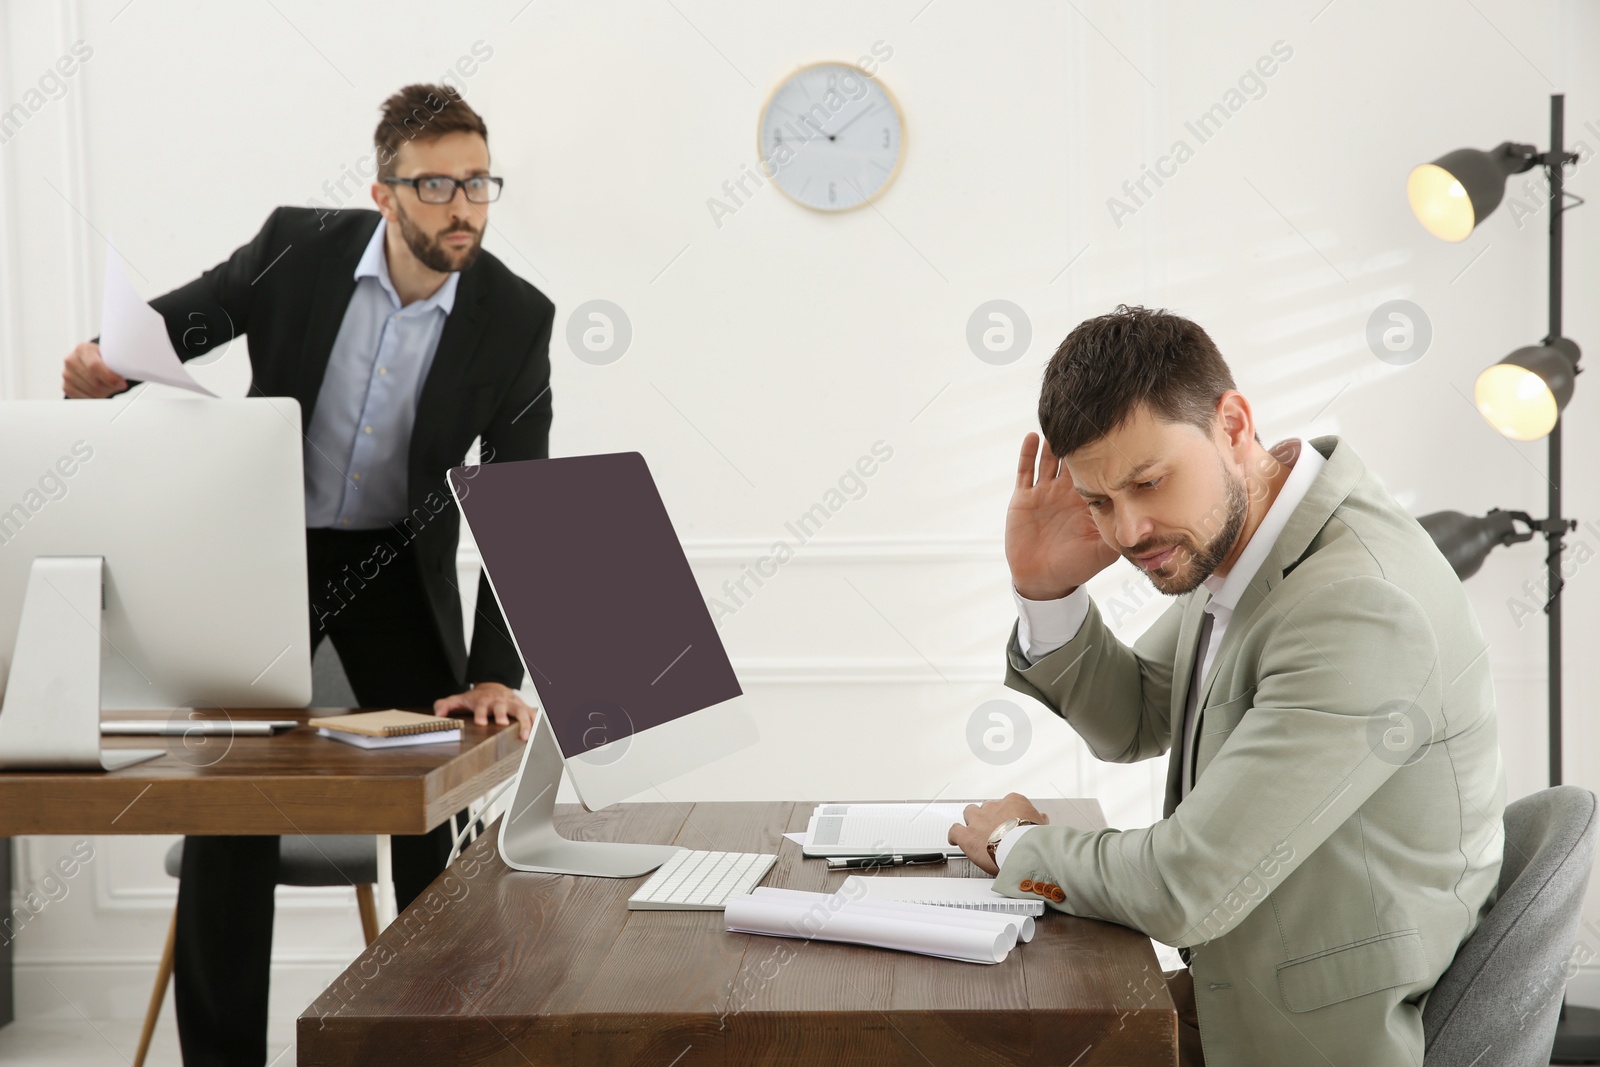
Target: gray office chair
{"points": [[1499, 999], [331, 859], [334, 859]]}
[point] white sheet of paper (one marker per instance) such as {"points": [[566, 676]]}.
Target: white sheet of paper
{"points": [[798, 838], [133, 335]]}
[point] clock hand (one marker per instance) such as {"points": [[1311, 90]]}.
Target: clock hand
{"points": [[814, 133], [846, 126]]}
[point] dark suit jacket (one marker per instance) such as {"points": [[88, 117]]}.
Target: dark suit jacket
{"points": [[288, 289]]}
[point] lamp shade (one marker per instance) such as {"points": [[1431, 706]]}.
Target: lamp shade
{"points": [[1455, 192], [1524, 394], [1466, 539]]}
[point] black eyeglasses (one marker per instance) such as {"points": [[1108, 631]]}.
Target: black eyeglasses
{"points": [[439, 189]]}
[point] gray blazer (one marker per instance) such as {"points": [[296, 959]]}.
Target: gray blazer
{"points": [[1343, 836]]}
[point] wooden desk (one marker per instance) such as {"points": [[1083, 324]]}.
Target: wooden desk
{"points": [[293, 783], [497, 967]]}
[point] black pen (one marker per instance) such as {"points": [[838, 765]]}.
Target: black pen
{"points": [[853, 863]]}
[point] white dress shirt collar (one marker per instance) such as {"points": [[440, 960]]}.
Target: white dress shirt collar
{"points": [[1226, 590]]}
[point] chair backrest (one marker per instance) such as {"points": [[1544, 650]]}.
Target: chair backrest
{"points": [[1500, 997]]}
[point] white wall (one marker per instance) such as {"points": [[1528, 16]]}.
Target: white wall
{"points": [[772, 351]]}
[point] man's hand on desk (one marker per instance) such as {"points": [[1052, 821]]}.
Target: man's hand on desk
{"points": [[486, 697], [973, 837]]}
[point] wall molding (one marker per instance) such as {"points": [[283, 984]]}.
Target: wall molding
{"points": [[10, 285], [735, 551], [280, 958], [850, 670], [111, 898], [80, 312], [738, 550]]}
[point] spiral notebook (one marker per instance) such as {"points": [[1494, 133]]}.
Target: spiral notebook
{"points": [[385, 729], [973, 893]]}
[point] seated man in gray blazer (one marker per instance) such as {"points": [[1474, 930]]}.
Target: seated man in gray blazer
{"points": [[1331, 832]]}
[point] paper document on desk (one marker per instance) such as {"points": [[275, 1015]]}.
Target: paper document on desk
{"points": [[879, 829], [974, 893], [133, 335], [950, 933]]}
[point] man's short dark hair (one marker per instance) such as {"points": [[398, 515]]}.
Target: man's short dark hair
{"points": [[1111, 364], [425, 112]]}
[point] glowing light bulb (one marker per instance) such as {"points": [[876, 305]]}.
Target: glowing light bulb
{"points": [[1440, 202]]}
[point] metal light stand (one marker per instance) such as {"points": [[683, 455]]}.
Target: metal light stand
{"points": [[1578, 1030]]}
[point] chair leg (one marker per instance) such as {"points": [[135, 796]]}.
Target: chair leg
{"points": [[385, 894], [369, 914], [159, 993]]}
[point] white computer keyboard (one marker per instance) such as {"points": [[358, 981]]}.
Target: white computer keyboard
{"points": [[701, 881]]}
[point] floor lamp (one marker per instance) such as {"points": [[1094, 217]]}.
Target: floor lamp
{"points": [[1522, 396]]}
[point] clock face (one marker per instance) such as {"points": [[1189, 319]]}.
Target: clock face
{"points": [[831, 136]]}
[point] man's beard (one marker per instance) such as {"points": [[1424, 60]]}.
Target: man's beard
{"points": [[1197, 567], [431, 251]]}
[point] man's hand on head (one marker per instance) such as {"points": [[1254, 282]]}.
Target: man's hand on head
{"points": [[1053, 543], [488, 698], [972, 837]]}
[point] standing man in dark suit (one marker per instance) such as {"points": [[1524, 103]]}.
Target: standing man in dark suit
{"points": [[403, 341]]}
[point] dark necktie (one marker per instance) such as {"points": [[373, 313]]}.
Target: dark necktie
{"points": [[1191, 708]]}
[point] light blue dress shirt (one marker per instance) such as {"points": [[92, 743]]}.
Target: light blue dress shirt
{"points": [[360, 432]]}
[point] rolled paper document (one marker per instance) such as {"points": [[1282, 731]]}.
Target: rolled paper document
{"points": [[1021, 926], [926, 929]]}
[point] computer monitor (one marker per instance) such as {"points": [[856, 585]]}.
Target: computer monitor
{"points": [[152, 555], [632, 679]]}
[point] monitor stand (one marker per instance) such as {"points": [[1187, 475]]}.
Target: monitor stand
{"points": [[528, 837], [50, 717]]}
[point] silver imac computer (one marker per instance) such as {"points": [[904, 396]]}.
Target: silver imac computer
{"points": [[634, 685], [152, 555]]}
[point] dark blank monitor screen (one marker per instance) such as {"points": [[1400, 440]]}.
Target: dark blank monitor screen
{"points": [[598, 595]]}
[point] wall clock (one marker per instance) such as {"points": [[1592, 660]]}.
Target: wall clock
{"points": [[831, 136]]}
